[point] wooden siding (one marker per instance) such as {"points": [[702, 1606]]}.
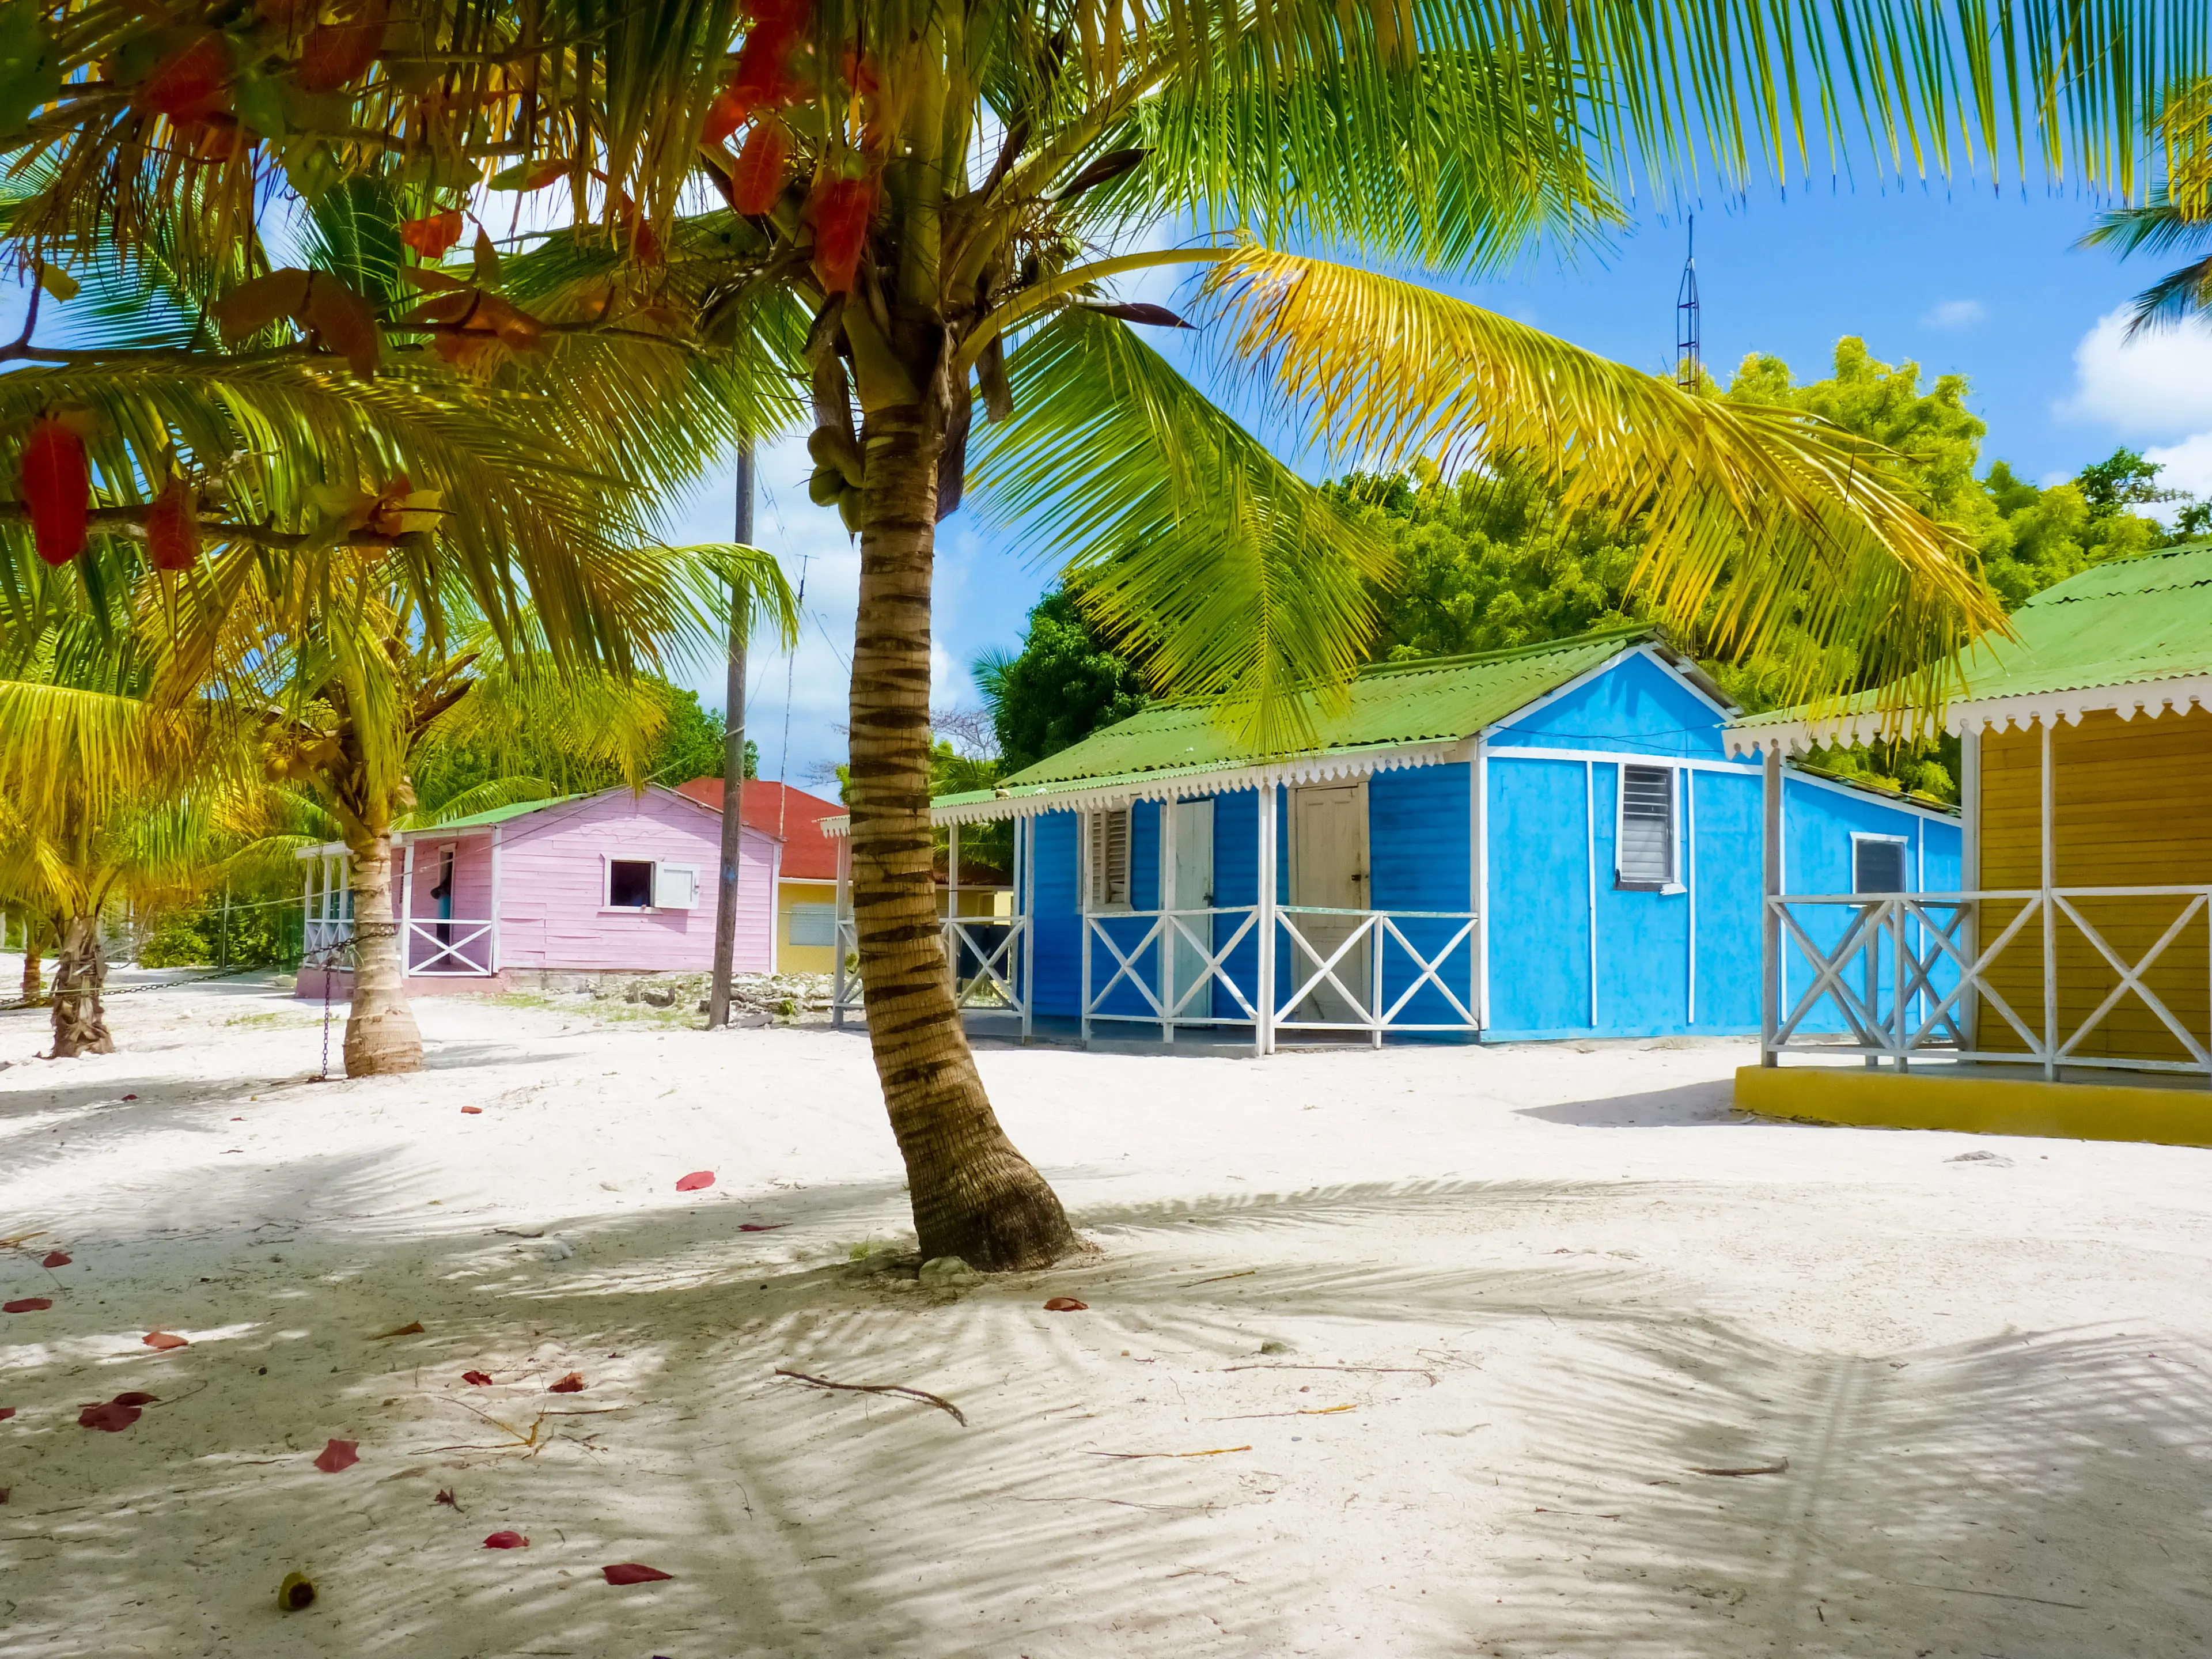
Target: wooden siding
{"points": [[2128, 811], [551, 883]]}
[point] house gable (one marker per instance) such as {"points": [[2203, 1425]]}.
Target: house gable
{"points": [[1635, 703]]}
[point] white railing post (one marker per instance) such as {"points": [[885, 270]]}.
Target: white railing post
{"points": [[1084, 920], [2050, 924], [1901, 1027], [1770, 947], [837, 932], [1263, 1031], [1169, 899], [1374, 930], [1028, 923]]}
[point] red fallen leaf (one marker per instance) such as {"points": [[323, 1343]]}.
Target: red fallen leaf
{"points": [[338, 1455], [6, 1412], [694, 1181], [478, 1378], [412, 1327], [572, 1383], [760, 1226], [163, 1341], [55, 1259], [634, 1572], [27, 1304], [133, 1397], [111, 1416], [131, 1097], [473, 1111], [446, 1496], [506, 1541], [1067, 1304]]}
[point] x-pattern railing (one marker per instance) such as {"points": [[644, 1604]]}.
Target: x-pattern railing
{"points": [[1371, 928], [1930, 937], [996, 984], [1206, 967], [453, 948]]}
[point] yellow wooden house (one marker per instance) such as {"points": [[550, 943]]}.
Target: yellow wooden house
{"points": [[2065, 988]]}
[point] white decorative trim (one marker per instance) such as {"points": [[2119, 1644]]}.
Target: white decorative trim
{"points": [[2150, 697]]}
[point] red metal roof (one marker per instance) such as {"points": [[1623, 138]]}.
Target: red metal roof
{"points": [[777, 808]]}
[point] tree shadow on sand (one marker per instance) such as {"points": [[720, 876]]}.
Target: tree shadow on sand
{"points": [[2035, 1494]]}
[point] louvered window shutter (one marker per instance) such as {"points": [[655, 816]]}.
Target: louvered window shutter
{"points": [[1647, 826], [1109, 858]]}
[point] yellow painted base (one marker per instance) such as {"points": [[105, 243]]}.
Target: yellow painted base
{"points": [[1977, 1105]]}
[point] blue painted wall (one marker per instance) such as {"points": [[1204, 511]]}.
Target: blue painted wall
{"points": [[1664, 962], [1636, 707]]}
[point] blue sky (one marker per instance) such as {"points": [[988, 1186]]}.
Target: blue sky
{"points": [[1985, 285]]}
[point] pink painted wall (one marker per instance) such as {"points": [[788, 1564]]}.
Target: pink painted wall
{"points": [[553, 877]]}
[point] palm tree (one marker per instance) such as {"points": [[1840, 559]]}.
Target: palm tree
{"points": [[107, 798], [928, 212], [349, 681], [2177, 217]]}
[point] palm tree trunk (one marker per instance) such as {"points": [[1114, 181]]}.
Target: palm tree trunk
{"points": [[33, 979], [80, 974], [381, 1034], [975, 1196]]}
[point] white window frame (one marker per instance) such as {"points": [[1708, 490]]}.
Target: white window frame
{"points": [[1672, 883], [1905, 858], [607, 905], [1093, 904]]}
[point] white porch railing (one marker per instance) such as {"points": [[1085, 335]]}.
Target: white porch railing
{"points": [[1347, 971], [447, 947], [985, 956], [435, 947], [1906, 976], [325, 935]]}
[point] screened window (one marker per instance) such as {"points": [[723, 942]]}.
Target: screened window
{"points": [[629, 883], [1647, 826], [1109, 860], [1877, 865], [814, 924]]}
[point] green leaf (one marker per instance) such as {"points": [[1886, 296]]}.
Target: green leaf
{"points": [[30, 69]]}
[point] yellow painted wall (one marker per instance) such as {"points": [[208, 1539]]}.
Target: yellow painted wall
{"points": [[822, 959], [2129, 800]]}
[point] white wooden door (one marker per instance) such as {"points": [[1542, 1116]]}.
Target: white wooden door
{"points": [[1329, 870], [1190, 887]]}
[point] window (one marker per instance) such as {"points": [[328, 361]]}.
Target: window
{"points": [[629, 883], [1878, 864], [1644, 853], [1109, 860], [814, 924]]}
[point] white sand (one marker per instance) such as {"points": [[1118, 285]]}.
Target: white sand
{"points": [[1575, 1276]]}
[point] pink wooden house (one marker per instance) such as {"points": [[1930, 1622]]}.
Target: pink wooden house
{"points": [[551, 893]]}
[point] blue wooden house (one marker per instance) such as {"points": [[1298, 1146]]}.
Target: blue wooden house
{"points": [[1546, 842]]}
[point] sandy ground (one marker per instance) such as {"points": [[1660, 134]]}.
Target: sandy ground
{"points": [[1407, 1354]]}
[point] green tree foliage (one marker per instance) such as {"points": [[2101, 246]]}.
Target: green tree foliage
{"points": [[1064, 683], [689, 746], [1488, 561]]}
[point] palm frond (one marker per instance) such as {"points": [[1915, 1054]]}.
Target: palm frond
{"points": [[1772, 512], [1225, 573]]}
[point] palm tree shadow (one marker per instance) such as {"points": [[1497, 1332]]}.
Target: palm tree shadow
{"points": [[1968, 1495]]}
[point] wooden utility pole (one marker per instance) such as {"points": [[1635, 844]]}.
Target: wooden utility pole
{"points": [[733, 766]]}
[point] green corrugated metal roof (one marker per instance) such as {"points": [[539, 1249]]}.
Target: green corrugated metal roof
{"points": [[1390, 705], [2133, 620], [491, 816]]}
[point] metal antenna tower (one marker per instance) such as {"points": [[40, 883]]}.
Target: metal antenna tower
{"points": [[1689, 343]]}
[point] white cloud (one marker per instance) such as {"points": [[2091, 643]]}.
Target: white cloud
{"points": [[2154, 385], [2188, 463], [1955, 313]]}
